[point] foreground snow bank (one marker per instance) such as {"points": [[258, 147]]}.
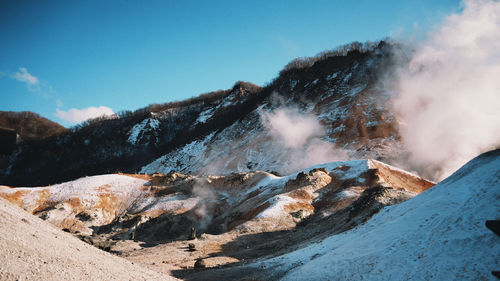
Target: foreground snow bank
{"points": [[438, 235]]}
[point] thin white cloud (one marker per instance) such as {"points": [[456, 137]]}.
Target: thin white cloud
{"points": [[25, 77], [288, 45], [34, 84], [75, 116]]}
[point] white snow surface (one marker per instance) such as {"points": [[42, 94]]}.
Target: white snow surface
{"points": [[438, 235], [276, 209], [148, 124], [348, 193], [332, 76], [205, 115], [356, 168], [165, 164]]}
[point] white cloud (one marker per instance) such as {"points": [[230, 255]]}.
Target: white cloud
{"points": [[75, 116], [24, 76], [34, 84], [288, 46]]}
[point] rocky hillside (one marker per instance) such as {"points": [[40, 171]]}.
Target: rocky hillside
{"points": [[241, 216], [438, 235], [335, 102]]}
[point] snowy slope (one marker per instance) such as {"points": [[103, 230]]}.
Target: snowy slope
{"points": [[248, 145], [438, 235], [140, 131], [100, 199]]}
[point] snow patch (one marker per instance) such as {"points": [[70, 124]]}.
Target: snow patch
{"points": [[86, 189], [276, 209], [347, 77], [348, 193], [205, 115], [332, 76], [182, 156], [147, 125]]}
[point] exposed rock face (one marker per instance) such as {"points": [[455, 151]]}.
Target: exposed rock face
{"points": [[323, 223], [200, 263], [440, 234]]}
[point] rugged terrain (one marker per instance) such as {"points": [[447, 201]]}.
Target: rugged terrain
{"points": [[333, 221], [238, 218], [438, 235]]}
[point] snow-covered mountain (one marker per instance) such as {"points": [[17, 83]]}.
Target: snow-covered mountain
{"points": [[337, 106]]}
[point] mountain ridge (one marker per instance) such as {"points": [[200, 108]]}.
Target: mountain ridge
{"points": [[348, 77]]}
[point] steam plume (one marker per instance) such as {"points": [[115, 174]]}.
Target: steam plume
{"points": [[291, 127], [301, 135], [206, 206], [449, 94]]}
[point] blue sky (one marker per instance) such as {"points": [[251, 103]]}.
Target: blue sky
{"points": [[69, 56]]}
